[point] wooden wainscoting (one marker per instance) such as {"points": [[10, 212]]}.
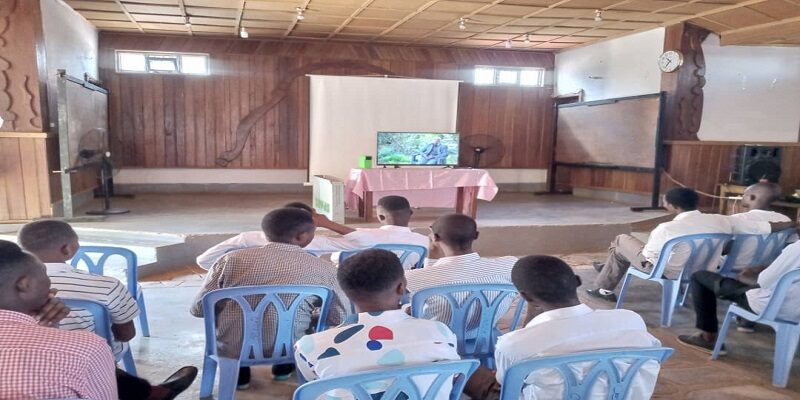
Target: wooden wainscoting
{"points": [[24, 177]]}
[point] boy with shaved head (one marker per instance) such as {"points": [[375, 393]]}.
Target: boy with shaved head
{"points": [[756, 218]]}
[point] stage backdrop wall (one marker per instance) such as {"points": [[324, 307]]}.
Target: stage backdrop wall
{"points": [[348, 111]]}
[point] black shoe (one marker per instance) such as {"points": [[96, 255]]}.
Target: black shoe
{"points": [[697, 342], [745, 326], [243, 383], [282, 372], [179, 381], [607, 297], [598, 266]]}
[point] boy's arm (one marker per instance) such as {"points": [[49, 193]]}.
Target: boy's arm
{"points": [[322, 221]]}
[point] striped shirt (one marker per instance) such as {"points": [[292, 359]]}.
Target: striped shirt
{"points": [[271, 264], [456, 270], [81, 285], [37, 362]]}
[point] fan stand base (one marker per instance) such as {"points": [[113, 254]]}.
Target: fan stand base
{"points": [[110, 211]]}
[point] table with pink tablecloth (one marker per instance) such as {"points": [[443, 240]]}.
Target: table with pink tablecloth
{"points": [[423, 187]]}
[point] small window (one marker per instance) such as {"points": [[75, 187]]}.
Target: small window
{"points": [[507, 77], [487, 75], [162, 63], [484, 76]]}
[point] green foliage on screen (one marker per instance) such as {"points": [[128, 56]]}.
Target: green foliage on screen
{"points": [[399, 148]]}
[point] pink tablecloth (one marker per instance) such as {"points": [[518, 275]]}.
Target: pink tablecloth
{"points": [[423, 187]]}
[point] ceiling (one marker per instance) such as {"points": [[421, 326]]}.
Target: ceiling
{"points": [[549, 25]]}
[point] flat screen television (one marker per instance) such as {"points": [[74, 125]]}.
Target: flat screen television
{"points": [[417, 148]]}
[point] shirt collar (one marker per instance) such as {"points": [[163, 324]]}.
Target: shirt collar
{"points": [[686, 214], [383, 317], [560, 313], [395, 228], [284, 247], [13, 317], [459, 259], [58, 267]]}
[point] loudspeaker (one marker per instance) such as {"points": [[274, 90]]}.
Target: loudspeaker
{"points": [[754, 163]]}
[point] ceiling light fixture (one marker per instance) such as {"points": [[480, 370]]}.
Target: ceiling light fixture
{"points": [[243, 33], [462, 24], [598, 15], [527, 38], [300, 13], [508, 43]]}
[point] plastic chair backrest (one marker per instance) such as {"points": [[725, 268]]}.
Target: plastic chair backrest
{"points": [[405, 251], [578, 383], [102, 321], [253, 318], [779, 295], [401, 381], [461, 300], [704, 251], [84, 253], [762, 250]]}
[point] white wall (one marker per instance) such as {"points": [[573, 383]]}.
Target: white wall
{"points": [[752, 93], [627, 66]]}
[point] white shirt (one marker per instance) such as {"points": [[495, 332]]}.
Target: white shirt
{"points": [[81, 285], [767, 280], [571, 330], [360, 239], [685, 223], [376, 341], [754, 222], [463, 269]]}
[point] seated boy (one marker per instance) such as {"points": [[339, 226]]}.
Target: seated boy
{"points": [[561, 324], [382, 336], [282, 261]]}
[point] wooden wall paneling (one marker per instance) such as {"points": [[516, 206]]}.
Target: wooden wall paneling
{"points": [[200, 115]]}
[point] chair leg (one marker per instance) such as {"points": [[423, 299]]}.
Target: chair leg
{"points": [[786, 339], [143, 315], [207, 380], [723, 332], [669, 298], [127, 362], [228, 377], [623, 289]]}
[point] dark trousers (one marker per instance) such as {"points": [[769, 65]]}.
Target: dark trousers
{"points": [[706, 288], [130, 387]]}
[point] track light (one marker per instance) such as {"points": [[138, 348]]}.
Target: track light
{"points": [[598, 15], [527, 38], [243, 33], [462, 24], [508, 43], [300, 13]]}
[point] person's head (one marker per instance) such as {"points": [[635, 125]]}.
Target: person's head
{"points": [[24, 285], [454, 233], [373, 280], [681, 199], [394, 210], [50, 240], [437, 140], [545, 281], [760, 195], [289, 225], [300, 205]]}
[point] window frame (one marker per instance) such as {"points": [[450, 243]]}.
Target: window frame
{"points": [[519, 70], [148, 55]]}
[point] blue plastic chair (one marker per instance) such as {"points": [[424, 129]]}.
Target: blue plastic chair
{"points": [[787, 333], [579, 386], [405, 251], [253, 341], [765, 249], [400, 381], [473, 341], [705, 251], [132, 273], [102, 327]]}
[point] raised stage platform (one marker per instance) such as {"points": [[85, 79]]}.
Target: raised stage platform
{"points": [[170, 230]]}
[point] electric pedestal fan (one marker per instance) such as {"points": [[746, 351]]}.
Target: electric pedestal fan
{"points": [[486, 150], [93, 151]]}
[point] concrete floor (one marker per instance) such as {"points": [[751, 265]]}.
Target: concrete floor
{"points": [[745, 373]]}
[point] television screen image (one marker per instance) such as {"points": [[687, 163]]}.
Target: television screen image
{"points": [[417, 148]]}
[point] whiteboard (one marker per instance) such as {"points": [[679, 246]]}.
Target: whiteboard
{"points": [[347, 112]]}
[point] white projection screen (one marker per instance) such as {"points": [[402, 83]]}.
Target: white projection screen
{"points": [[348, 111]]}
